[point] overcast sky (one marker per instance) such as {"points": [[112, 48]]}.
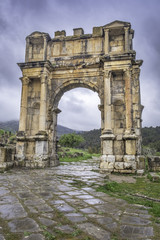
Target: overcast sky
{"points": [[19, 18]]}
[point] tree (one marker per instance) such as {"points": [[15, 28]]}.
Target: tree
{"points": [[71, 140]]}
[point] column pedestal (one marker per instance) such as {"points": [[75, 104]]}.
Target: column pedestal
{"points": [[107, 160]]}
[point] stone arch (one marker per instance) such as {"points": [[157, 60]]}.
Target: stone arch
{"points": [[56, 96], [106, 64], [68, 85]]}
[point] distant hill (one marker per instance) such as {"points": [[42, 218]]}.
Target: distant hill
{"points": [[150, 135], [10, 126], [92, 138], [64, 130], [14, 125]]}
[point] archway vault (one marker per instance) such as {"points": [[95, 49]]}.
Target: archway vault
{"points": [[103, 61]]}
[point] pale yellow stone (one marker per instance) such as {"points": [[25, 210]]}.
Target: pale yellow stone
{"points": [[97, 61]]}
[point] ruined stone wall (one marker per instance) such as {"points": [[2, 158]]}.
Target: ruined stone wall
{"points": [[103, 61], [154, 163], [7, 155]]}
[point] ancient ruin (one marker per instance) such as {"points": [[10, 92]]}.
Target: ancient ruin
{"points": [[103, 61]]}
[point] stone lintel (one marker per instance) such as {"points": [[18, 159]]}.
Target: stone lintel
{"points": [[119, 57], [36, 64]]}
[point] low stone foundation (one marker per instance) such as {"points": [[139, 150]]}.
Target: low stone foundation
{"points": [[154, 163], [122, 164], [7, 155]]}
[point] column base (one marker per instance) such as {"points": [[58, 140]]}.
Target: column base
{"points": [[107, 163], [122, 163]]}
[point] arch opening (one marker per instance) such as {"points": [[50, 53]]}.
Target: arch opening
{"points": [[79, 104], [79, 109]]}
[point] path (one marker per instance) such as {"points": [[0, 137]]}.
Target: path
{"points": [[62, 203]]}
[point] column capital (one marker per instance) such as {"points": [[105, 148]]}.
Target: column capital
{"points": [[25, 80], [126, 29], [45, 37], [107, 30], [107, 73], [127, 72], [43, 77]]}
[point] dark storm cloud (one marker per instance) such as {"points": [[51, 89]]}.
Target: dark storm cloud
{"points": [[19, 18]]}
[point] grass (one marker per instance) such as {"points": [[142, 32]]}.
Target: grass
{"points": [[70, 151], [127, 191], [78, 183]]}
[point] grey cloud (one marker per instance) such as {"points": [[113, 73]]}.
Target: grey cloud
{"points": [[18, 18]]}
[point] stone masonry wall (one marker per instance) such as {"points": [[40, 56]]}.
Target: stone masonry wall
{"points": [[154, 163]]}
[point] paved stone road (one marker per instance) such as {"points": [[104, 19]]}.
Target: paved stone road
{"points": [[62, 203]]}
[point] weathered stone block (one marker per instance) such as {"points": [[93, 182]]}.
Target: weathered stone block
{"points": [[20, 150], [141, 162], [108, 147], [119, 158], [119, 165], [107, 162], [130, 165], [154, 163], [78, 31], [60, 33], [119, 147], [117, 49], [97, 31], [129, 158], [130, 147], [41, 148]]}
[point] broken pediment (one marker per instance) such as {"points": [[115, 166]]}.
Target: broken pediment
{"points": [[38, 34], [117, 24]]}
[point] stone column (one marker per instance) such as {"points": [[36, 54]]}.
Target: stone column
{"points": [[27, 50], [107, 102], [23, 113], [128, 100], [54, 160], [43, 99], [107, 158], [45, 48], [106, 39], [126, 29], [101, 108]]}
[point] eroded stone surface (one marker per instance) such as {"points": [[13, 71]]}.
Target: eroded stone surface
{"points": [[21, 225], [103, 61], [40, 202], [136, 232], [11, 211], [95, 231], [35, 237]]}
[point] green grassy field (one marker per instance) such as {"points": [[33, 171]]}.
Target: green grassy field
{"points": [[72, 151]]}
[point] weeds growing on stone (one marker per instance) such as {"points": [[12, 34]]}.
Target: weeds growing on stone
{"points": [[131, 192]]}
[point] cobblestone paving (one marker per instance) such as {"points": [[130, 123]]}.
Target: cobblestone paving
{"points": [[49, 204]]}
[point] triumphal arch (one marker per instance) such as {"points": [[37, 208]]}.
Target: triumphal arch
{"points": [[103, 61]]}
